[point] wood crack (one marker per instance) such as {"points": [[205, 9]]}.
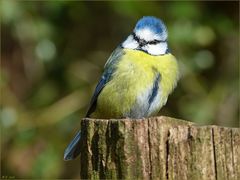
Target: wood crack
{"points": [[150, 155], [167, 154], [233, 164], [214, 154]]}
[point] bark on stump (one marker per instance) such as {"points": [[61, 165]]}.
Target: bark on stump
{"points": [[158, 148]]}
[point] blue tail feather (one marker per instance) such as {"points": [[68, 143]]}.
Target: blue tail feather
{"points": [[73, 149]]}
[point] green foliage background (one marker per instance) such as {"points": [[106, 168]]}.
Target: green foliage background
{"points": [[52, 55]]}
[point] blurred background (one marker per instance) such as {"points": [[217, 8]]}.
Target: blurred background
{"points": [[52, 55]]}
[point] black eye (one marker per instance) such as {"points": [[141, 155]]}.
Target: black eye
{"points": [[154, 42]]}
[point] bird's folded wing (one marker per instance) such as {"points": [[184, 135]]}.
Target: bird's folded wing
{"points": [[109, 69]]}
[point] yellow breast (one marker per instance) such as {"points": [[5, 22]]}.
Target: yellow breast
{"points": [[135, 73]]}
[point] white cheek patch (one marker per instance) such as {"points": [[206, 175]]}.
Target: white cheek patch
{"points": [[156, 49], [130, 43], [153, 49]]}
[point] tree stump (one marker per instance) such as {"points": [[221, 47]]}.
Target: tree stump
{"points": [[158, 148]]}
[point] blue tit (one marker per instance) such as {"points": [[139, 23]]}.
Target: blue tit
{"points": [[137, 79]]}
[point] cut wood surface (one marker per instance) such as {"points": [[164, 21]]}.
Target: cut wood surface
{"points": [[158, 148]]}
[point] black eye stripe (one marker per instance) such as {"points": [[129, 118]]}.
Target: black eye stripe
{"points": [[156, 41], [147, 42]]}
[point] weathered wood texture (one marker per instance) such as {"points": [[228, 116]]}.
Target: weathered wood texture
{"points": [[158, 148]]}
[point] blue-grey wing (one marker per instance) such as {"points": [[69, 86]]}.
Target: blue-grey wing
{"points": [[109, 69], [74, 148], [114, 57]]}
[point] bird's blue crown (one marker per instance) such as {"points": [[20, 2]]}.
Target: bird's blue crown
{"points": [[154, 24]]}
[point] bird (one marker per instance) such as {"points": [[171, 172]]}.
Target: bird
{"points": [[137, 79]]}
